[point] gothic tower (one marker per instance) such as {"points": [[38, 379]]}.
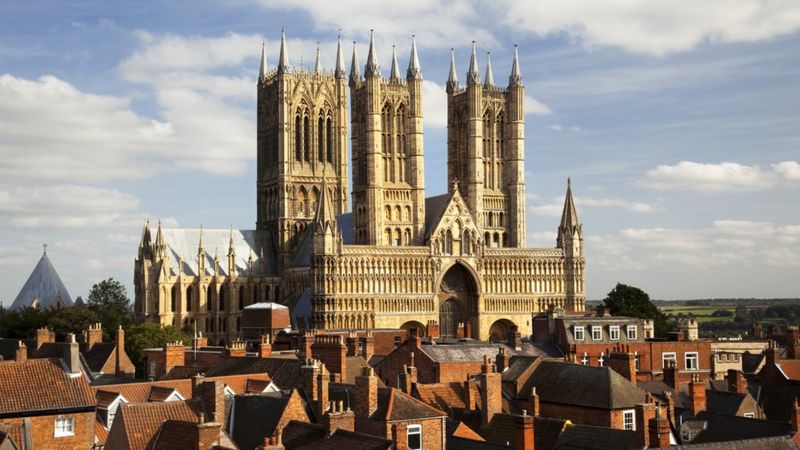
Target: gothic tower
{"points": [[388, 170], [302, 137], [570, 239], [486, 150]]}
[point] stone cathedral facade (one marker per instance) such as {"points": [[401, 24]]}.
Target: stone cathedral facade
{"points": [[395, 258]]}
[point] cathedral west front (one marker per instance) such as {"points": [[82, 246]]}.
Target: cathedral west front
{"points": [[349, 240]]}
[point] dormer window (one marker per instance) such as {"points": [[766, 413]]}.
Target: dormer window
{"points": [[613, 332], [597, 333], [631, 332], [578, 332]]}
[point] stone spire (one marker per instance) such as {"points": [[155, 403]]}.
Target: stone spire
{"points": [[160, 246], [373, 69], [569, 217], [339, 73], [515, 79], [201, 255], [395, 75], [231, 255], [283, 60], [452, 80], [489, 77], [473, 77], [317, 65], [355, 72], [414, 70], [262, 73]]}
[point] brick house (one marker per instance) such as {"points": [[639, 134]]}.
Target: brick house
{"points": [[260, 416], [48, 401]]}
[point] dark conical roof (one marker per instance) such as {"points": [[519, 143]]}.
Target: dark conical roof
{"points": [[43, 285]]}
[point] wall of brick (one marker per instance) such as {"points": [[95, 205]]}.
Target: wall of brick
{"points": [[432, 432], [43, 431], [577, 414]]}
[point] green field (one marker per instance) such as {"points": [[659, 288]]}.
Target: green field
{"points": [[702, 313]]}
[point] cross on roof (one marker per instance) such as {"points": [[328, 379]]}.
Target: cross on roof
{"points": [[44, 246]]}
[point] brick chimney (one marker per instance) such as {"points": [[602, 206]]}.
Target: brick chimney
{"points": [[208, 434], [792, 342], [736, 381], [642, 422], [366, 394], [273, 442], [624, 364], [772, 352], [94, 335], [514, 339], [21, 354], [200, 341], [309, 374], [306, 340], [670, 407], [367, 345], [502, 359], [400, 435], [332, 351], [794, 415], [523, 431], [339, 418], [432, 329], [491, 391], [265, 347], [470, 388], [212, 395], [237, 349], [72, 354], [197, 381], [323, 384], [44, 336], [174, 355], [697, 394], [119, 351], [533, 403], [659, 431], [408, 378]]}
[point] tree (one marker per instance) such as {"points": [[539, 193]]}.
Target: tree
{"points": [[631, 301], [109, 300], [150, 335], [74, 320]]}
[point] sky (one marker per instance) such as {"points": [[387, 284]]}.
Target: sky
{"points": [[679, 123]]}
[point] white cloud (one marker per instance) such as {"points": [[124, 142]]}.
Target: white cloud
{"points": [[536, 107], [725, 176], [555, 208], [655, 27], [434, 104]]}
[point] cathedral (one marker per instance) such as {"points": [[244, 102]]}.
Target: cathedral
{"points": [[384, 256]]}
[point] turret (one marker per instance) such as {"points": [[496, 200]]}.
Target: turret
{"points": [[339, 73], [145, 243], [515, 79], [489, 78], [317, 65], [355, 71], [283, 59], [231, 256], [515, 154], [160, 246], [414, 136], [372, 69], [570, 230], [414, 71], [452, 79], [201, 255], [473, 77], [262, 72]]}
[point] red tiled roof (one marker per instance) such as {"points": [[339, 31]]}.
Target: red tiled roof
{"points": [[466, 432], [790, 368], [142, 392], [394, 404], [40, 385], [137, 424], [444, 395]]}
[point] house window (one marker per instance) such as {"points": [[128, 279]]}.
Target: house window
{"points": [[667, 359], [414, 437], [597, 333], [636, 360], [629, 419], [578, 333], [64, 427], [690, 358], [631, 332], [613, 332]]}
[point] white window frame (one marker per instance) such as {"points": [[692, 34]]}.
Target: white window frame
{"points": [[599, 331], [579, 332], [750, 415], [613, 331], [668, 356], [414, 429], [636, 362], [686, 360], [64, 426], [629, 419], [634, 335]]}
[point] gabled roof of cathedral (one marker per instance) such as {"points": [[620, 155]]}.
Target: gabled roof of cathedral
{"points": [[44, 286]]}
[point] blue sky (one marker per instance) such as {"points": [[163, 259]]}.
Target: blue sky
{"points": [[678, 123]]}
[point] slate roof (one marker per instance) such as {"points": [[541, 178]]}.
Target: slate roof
{"points": [[43, 284], [284, 372], [307, 436], [777, 400], [97, 356], [41, 385], [586, 437], [724, 402], [751, 362], [476, 351], [444, 396], [256, 416], [394, 404], [589, 386], [604, 322], [136, 425], [721, 427], [772, 443], [179, 434]]}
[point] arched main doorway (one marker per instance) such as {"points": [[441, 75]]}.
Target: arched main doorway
{"points": [[500, 329], [457, 300]]}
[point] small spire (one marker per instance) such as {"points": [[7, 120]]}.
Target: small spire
{"points": [[159, 236], [395, 75], [515, 79], [452, 80], [489, 77], [473, 77], [200, 245], [355, 72], [373, 69], [339, 59], [262, 73], [569, 217], [283, 59], [414, 70], [231, 243], [317, 65]]}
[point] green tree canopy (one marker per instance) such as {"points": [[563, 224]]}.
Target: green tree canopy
{"points": [[74, 320], [150, 335], [109, 300], [631, 301]]}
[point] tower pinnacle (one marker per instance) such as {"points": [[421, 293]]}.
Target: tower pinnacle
{"points": [[355, 72], [283, 60], [515, 79], [569, 217], [452, 80], [372, 69], [262, 73], [472, 75], [489, 82], [414, 70], [395, 75], [317, 65], [339, 73]]}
